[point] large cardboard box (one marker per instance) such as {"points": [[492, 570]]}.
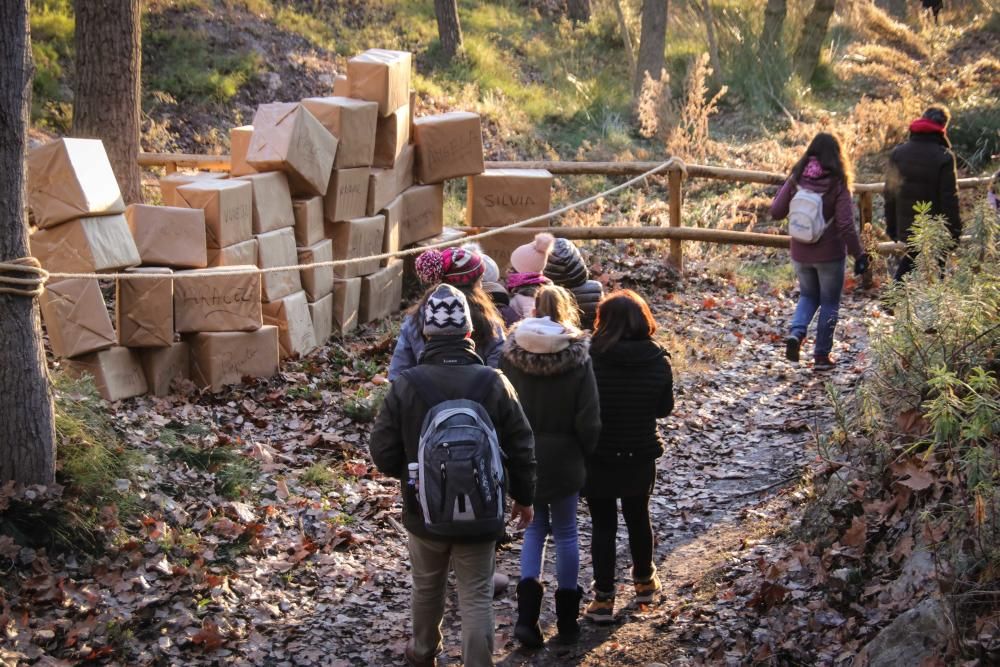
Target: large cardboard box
{"points": [[342, 87], [168, 235], [449, 145], [238, 254], [170, 183], [288, 138], [163, 365], [76, 318], [276, 249], [308, 221], [226, 357], [386, 184], [381, 292], [448, 234], [347, 196], [295, 328], [71, 178], [145, 309], [321, 312], [272, 201], [391, 136], [317, 282], [117, 372], [393, 213], [346, 300], [211, 300], [423, 213], [85, 245], [239, 142], [361, 237], [382, 76], [228, 207], [500, 197], [353, 122]]}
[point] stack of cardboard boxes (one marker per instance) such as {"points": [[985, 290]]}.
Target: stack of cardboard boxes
{"points": [[328, 178]]}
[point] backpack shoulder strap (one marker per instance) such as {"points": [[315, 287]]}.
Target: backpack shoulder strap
{"points": [[421, 382]]}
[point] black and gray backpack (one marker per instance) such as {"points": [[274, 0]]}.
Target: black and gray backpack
{"points": [[461, 475]]}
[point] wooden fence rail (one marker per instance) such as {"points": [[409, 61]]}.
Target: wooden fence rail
{"points": [[676, 233]]}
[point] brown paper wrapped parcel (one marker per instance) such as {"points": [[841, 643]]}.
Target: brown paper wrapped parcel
{"points": [[423, 213], [308, 221], [228, 207], [76, 318], [381, 292], [346, 300], [295, 328], [219, 302], [170, 183], [145, 309], [353, 122], [163, 365], [274, 250], [239, 142], [391, 136], [272, 201], [386, 184], [449, 145], [86, 245], [288, 138], [317, 282], [500, 197], [321, 312], [238, 254], [169, 235], [347, 196], [71, 178], [222, 358], [117, 372], [382, 76], [353, 239]]}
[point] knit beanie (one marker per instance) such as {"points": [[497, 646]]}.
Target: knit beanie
{"points": [[540, 335], [455, 266], [531, 257], [447, 313], [491, 272]]}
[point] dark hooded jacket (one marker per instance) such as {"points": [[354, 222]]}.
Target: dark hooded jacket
{"points": [[558, 393], [455, 369], [588, 296], [921, 170], [566, 268]]}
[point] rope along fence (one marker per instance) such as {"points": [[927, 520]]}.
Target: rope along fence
{"points": [[673, 163], [27, 287]]}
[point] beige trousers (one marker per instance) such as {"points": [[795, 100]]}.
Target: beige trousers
{"points": [[473, 565]]}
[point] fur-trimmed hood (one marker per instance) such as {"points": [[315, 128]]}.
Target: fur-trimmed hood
{"points": [[574, 355]]}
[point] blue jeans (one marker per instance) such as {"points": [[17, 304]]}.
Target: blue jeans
{"points": [[559, 518], [820, 287]]}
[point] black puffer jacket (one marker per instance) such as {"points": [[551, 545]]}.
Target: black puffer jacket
{"points": [[558, 393], [922, 169], [565, 266], [635, 385], [588, 295]]}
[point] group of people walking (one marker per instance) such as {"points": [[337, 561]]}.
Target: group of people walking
{"points": [[574, 412]]}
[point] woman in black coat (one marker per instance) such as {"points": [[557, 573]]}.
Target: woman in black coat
{"points": [[635, 386], [546, 359]]}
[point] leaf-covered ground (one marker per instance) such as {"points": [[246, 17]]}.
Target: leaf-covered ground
{"points": [[261, 533]]}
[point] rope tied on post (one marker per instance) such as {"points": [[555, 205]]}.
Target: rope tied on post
{"points": [[31, 287]]}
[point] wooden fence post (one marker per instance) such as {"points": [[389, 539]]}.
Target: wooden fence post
{"points": [[171, 167], [865, 218], [676, 252]]}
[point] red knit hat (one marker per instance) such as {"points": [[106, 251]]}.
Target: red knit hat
{"points": [[455, 266]]}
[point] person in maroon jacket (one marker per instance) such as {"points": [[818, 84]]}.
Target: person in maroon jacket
{"points": [[820, 266]]}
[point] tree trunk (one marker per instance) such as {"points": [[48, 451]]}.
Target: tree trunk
{"points": [[813, 35], [626, 37], [449, 29], [579, 10], [106, 102], [27, 435], [652, 40], [713, 43], [774, 23]]}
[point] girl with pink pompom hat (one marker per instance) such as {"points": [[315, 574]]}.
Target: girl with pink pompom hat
{"points": [[528, 261]]}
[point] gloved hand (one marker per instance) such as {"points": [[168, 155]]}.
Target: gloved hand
{"points": [[861, 264]]}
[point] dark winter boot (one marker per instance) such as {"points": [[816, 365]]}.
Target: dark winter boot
{"points": [[567, 612], [529, 604]]}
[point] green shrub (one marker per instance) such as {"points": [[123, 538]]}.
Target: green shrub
{"points": [[52, 28], [188, 66], [975, 134], [364, 405]]}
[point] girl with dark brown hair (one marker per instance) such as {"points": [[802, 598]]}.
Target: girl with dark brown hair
{"points": [[635, 386]]}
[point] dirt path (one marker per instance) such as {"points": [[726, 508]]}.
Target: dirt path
{"points": [[740, 432]]}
